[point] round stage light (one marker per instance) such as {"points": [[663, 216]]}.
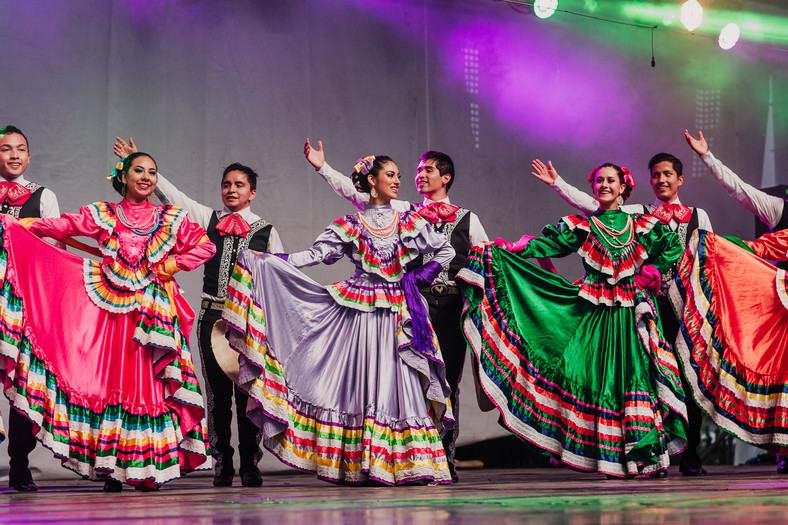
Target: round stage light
{"points": [[729, 35], [691, 14], [545, 8]]}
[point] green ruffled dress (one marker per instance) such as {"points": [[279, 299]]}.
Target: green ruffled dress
{"points": [[580, 370]]}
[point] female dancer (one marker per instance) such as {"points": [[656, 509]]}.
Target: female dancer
{"points": [[581, 370], [98, 359], [733, 342], [347, 379]]}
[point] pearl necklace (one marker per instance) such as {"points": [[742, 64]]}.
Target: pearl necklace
{"points": [[127, 223], [383, 232], [612, 236]]}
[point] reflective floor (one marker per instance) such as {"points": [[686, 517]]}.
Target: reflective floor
{"points": [[738, 495]]}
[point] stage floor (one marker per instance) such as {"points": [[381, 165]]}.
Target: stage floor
{"points": [[740, 495]]}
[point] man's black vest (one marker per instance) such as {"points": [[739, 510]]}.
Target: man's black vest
{"points": [[684, 231], [458, 233], [31, 207], [218, 269]]}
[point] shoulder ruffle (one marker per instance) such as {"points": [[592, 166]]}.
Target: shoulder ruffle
{"points": [[389, 261], [577, 221]]}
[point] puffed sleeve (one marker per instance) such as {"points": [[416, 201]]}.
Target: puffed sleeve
{"points": [[556, 241], [67, 225], [663, 247], [328, 248], [192, 247]]}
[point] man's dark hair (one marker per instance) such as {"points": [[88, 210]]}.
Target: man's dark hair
{"points": [[678, 167], [443, 163], [251, 175]]}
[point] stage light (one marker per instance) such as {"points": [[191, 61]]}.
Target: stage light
{"points": [[545, 8], [729, 35], [691, 14]]}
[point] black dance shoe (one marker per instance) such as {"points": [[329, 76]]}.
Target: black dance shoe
{"points": [[251, 477], [659, 474], [111, 485], [28, 486], [692, 470], [224, 477]]}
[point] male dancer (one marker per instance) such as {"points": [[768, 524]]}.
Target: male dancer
{"points": [[666, 178], [434, 177], [21, 199], [231, 229]]}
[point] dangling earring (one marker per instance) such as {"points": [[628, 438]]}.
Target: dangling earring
{"points": [[373, 193], [620, 200]]}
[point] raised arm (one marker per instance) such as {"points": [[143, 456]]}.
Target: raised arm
{"points": [[340, 183], [573, 196], [768, 208]]}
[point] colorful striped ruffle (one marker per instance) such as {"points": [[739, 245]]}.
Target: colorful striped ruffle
{"points": [[626, 437], [128, 274], [390, 266], [350, 448], [157, 322], [101, 437], [733, 350], [366, 296]]}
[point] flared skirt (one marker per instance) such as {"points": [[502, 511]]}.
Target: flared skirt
{"points": [[336, 390], [733, 341], [596, 386]]}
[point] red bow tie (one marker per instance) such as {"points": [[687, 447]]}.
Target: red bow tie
{"points": [[439, 211], [13, 193], [233, 224], [668, 211]]}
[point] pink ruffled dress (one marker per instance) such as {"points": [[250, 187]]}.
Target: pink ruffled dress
{"points": [[96, 354]]}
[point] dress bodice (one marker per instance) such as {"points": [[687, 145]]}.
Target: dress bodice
{"points": [[613, 245]]}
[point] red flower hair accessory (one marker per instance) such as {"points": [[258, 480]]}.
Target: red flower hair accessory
{"points": [[629, 180]]}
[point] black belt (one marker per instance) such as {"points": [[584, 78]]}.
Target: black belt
{"points": [[439, 290], [212, 305]]}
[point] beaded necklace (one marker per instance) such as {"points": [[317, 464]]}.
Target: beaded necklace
{"points": [[612, 236], [383, 232], [127, 223]]}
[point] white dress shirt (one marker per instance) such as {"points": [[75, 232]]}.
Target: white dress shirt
{"points": [[769, 208]]}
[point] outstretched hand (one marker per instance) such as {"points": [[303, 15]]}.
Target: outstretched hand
{"points": [[122, 148], [316, 157], [699, 145], [546, 174]]}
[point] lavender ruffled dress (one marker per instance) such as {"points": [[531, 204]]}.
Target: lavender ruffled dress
{"points": [[333, 377]]}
